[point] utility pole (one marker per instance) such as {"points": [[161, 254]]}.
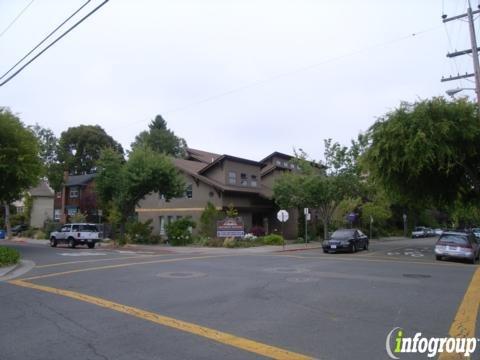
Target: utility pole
{"points": [[474, 50]]}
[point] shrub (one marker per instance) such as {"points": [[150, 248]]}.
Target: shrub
{"points": [[249, 237], [78, 218], [230, 242], [138, 232], [258, 231], [179, 231], [208, 220], [273, 239], [50, 226], [8, 256], [214, 242]]}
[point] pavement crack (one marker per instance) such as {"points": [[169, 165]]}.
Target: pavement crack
{"points": [[92, 347]]}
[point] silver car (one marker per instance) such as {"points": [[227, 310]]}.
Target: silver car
{"points": [[459, 245]]}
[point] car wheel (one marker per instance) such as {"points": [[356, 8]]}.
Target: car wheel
{"points": [[354, 248], [438, 257], [365, 247], [53, 242], [71, 243], [91, 245], [473, 260]]}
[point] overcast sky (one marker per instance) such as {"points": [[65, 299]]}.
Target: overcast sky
{"points": [[244, 78]]}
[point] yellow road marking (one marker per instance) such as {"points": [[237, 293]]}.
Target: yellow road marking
{"points": [[463, 325], [215, 335], [122, 265], [96, 260]]}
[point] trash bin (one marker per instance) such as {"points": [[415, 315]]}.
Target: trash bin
{"points": [[2, 234]]}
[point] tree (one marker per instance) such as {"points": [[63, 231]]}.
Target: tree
{"points": [[80, 148], [20, 165], [161, 139], [48, 149], [120, 184], [427, 152], [208, 220], [313, 188]]}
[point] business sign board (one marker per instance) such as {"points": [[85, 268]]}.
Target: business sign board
{"points": [[230, 227]]}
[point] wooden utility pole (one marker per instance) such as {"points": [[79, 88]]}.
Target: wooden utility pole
{"points": [[474, 50]]}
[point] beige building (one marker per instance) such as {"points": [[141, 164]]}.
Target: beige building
{"points": [[224, 180], [42, 204]]}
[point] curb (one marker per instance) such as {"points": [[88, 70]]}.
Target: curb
{"points": [[300, 249], [5, 270], [11, 272]]}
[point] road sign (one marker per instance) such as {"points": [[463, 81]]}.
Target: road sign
{"points": [[305, 211], [282, 216]]}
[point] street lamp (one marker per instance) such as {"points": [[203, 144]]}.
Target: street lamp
{"points": [[452, 92]]}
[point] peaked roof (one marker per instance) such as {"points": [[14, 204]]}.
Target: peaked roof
{"points": [[278, 154], [41, 190], [229, 157], [200, 155], [76, 180]]}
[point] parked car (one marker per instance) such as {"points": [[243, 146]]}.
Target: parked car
{"points": [[76, 234], [17, 229], [346, 240], [476, 232], [437, 232], [419, 232], [458, 245]]}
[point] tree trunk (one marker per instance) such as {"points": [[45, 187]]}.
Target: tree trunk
{"points": [[325, 228]]}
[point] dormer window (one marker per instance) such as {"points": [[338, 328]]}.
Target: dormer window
{"points": [[74, 192], [253, 181], [278, 162]]}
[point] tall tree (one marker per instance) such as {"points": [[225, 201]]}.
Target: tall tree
{"points": [[161, 139], [48, 150], [121, 185], [20, 165], [427, 152], [80, 147]]}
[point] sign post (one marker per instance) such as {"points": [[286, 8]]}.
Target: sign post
{"points": [[282, 216], [305, 212], [371, 223]]}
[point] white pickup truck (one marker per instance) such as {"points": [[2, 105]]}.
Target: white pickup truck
{"points": [[76, 234]]}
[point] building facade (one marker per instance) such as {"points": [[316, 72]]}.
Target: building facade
{"points": [[224, 180]]}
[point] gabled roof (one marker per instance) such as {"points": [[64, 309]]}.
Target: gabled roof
{"points": [[229, 157], [276, 154], [271, 167], [77, 180], [200, 155], [41, 190]]}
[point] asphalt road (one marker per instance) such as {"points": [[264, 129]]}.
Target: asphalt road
{"points": [[105, 304]]}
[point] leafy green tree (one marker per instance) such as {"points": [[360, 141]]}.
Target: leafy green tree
{"points": [[80, 147], [427, 152], [48, 150], [122, 184], [20, 165], [161, 139]]}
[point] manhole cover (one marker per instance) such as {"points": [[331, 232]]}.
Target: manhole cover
{"points": [[417, 276], [181, 275]]}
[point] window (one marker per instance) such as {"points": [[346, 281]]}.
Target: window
{"points": [[253, 181], [292, 166], [72, 211], [162, 225], [74, 192], [56, 214], [243, 179], [232, 177], [278, 162], [285, 164], [189, 191]]}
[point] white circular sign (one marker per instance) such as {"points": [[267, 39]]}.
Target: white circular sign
{"points": [[282, 215]]}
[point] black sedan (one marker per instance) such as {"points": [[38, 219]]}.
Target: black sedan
{"points": [[350, 240], [17, 229]]}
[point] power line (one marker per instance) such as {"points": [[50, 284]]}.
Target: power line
{"points": [[54, 42], [45, 39], [16, 18]]}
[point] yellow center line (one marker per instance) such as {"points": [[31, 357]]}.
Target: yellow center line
{"points": [[463, 325], [209, 333], [122, 265], [96, 260]]}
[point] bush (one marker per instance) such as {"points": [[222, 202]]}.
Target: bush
{"points": [[208, 220], [50, 226], [214, 242], [179, 231], [8, 256], [230, 242], [258, 231], [273, 239], [138, 232]]}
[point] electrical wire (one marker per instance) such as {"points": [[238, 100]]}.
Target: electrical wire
{"points": [[16, 18], [54, 42], [45, 39]]}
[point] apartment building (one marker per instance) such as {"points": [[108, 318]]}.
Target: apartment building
{"points": [[224, 180]]}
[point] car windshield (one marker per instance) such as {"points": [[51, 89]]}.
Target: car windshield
{"points": [[454, 239], [343, 234]]}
